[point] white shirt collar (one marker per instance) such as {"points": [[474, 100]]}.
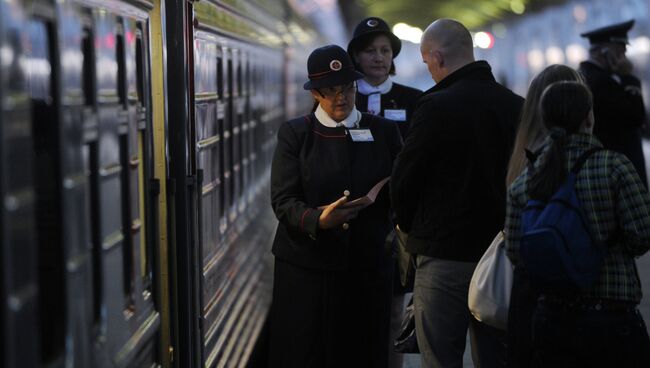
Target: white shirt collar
{"points": [[349, 122], [366, 89]]}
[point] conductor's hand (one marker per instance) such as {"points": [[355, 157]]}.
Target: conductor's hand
{"points": [[333, 216]]}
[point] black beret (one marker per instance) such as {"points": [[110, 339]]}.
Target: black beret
{"points": [[371, 26], [616, 33], [330, 66]]}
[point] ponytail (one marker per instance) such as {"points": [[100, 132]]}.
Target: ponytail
{"points": [[552, 172], [564, 107]]}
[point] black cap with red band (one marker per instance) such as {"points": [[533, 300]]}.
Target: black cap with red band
{"points": [[330, 66]]}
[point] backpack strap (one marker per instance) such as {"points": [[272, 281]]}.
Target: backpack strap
{"points": [[531, 156], [583, 158]]}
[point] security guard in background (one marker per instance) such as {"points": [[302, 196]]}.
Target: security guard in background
{"points": [[618, 104]]}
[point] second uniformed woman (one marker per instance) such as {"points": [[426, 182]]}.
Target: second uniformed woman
{"points": [[372, 49], [331, 284]]}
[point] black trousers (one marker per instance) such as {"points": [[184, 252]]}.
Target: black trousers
{"points": [[520, 321], [589, 338]]}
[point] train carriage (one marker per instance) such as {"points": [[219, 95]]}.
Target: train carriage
{"points": [[91, 133], [18, 257], [136, 144]]}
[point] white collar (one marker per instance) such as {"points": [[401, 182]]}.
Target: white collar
{"points": [[366, 89], [350, 122]]}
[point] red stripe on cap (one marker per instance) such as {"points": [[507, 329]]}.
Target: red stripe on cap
{"points": [[323, 74]]}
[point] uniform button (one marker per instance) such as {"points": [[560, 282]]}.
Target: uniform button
{"points": [[345, 226], [346, 193], [598, 307]]}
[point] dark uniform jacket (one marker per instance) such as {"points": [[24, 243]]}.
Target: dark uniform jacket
{"points": [[618, 112], [399, 97], [313, 165], [448, 185]]}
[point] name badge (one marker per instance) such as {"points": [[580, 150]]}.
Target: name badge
{"points": [[361, 135], [396, 115], [374, 103]]}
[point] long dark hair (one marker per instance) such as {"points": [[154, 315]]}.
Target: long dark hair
{"points": [[564, 107], [530, 132]]}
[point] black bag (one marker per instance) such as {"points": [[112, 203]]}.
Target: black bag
{"points": [[406, 342]]}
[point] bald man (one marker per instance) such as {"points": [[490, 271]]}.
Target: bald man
{"points": [[448, 186]]}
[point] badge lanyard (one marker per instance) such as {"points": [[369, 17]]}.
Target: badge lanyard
{"points": [[374, 103]]}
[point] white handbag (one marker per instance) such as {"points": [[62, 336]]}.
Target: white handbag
{"points": [[491, 285]]}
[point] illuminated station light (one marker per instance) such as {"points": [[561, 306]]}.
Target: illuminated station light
{"points": [[483, 40], [517, 6], [408, 33]]}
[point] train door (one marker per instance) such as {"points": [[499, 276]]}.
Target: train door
{"points": [[213, 147], [18, 258], [116, 151], [140, 189], [44, 76], [77, 123], [207, 145]]}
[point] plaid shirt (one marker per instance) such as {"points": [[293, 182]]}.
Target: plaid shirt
{"points": [[617, 205]]}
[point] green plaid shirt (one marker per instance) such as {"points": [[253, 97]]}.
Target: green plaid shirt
{"points": [[616, 202]]}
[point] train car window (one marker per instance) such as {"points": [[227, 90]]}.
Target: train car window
{"points": [[146, 246], [51, 265], [234, 146], [139, 66], [220, 84], [222, 150], [127, 246], [128, 202], [92, 153], [240, 83], [247, 78], [121, 65], [87, 45]]}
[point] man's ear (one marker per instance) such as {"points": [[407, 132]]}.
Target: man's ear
{"points": [[440, 58]]}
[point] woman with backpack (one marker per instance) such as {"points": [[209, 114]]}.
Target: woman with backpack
{"points": [[530, 136], [596, 325]]}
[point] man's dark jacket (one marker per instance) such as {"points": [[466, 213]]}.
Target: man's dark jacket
{"points": [[448, 183], [619, 112]]}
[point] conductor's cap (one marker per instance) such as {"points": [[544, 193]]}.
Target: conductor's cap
{"points": [[330, 66], [615, 33], [371, 27]]}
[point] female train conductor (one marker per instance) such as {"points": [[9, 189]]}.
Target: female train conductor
{"points": [[373, 48], [331, 287]]}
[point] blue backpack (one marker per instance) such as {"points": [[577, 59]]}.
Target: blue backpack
{"points": [[556, 248]]}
